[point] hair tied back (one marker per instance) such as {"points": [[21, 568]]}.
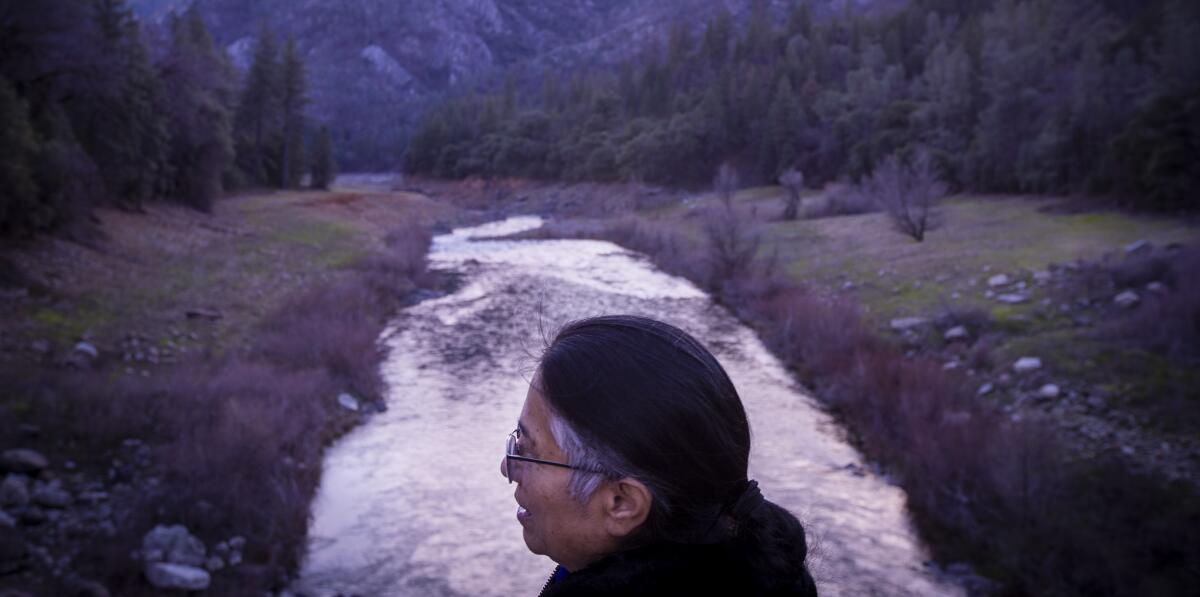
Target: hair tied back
{"points": [[748, 501]]}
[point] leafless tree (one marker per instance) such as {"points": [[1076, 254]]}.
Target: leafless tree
{"points": [[908, 192], [792, 180], [725, 183], [733, 241]]}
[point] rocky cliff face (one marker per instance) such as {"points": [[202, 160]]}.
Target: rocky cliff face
{"points": [[373, 64]]}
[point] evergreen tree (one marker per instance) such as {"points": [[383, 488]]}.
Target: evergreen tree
{"points": [[259, 121], [293, 101], [18, 188], [118, 118], [198, 110], [323, 168]]}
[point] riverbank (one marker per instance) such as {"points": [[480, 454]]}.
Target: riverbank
{"points": [[1025, 468], [189, 369]]}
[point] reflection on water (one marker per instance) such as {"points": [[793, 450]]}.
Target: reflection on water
{"points": [[412, 503]]}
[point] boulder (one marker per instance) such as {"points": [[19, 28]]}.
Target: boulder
{"points": [[51, 495], [173, 545], [1127, 299], [957, 332], [347, 402], [168, 576], [998, 280], [23, 461], [1027, 364], [903, 324], [14, 491]]}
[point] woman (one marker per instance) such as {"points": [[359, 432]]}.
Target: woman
{"points": [[630, 465]]}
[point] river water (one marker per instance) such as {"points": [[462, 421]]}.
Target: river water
{"points": [[413, 503]]}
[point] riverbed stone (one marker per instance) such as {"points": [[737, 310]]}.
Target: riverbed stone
{"points": [[348, 402], [1012, 298], [1048, 391], [51, 495], [167, 576], [903, 324], [1027, 364], [957, 332], [1127, 299], [14, 491], [23, 460], [173, 544]]}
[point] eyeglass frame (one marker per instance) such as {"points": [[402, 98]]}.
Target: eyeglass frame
{"points": [[511, 444]]}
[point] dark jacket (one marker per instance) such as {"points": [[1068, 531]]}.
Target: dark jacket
{"points": [[673, 569]]}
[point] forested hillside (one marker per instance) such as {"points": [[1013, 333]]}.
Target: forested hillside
{"points": [[1034, 96], [91, 111]]}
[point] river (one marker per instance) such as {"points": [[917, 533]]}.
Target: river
{"points": [[413, 503]]}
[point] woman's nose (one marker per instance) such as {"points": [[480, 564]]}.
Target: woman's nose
{"points": [[504, 467]]}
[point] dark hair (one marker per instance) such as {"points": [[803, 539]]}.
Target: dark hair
{"points": [[654, 398]]}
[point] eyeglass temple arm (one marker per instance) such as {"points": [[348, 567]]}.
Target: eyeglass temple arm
{"points": [[528, 459]]}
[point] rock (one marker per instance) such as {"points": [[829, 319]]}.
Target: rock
{"points": [[85, 587], [907, 323], [998, 280], [1027, 364], [237, 543], [23, 461], [1157, 287], [347, 402], [1048, 391], [14, 491], [214, 563], [1137, 245], [951, 365], [51, 495], [201, 313], [14, 555], [177, 576], [1041, 277], [986, 389], [235, 558], [1012, 298], [40, 346], [88, 349], [957, 332], [173, 544], [6, 520], [1127, 299]]}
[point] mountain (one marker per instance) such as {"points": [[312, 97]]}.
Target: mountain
{"points": [[375, 64]]}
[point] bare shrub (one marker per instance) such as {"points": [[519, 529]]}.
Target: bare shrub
{"points": [[732, 244], [908, 192], [725, 183], [1168, 322], [793, 181], [839, 199]]}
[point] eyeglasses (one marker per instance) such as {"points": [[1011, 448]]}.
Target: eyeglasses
{"points": [[511, 453]]}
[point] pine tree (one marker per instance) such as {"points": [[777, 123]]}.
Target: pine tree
{"points": [[200, 81], [259, 120], [18, 189], [323, 167], [118, 118], [293, 101]]}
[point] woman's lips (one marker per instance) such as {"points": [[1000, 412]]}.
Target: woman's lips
{"points": [[522, 514]]}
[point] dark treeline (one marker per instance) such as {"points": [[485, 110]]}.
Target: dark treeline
{"points": [[1042, 96], [96, 109]]}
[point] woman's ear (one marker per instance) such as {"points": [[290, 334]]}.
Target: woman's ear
{"points": [[627, 503]]}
